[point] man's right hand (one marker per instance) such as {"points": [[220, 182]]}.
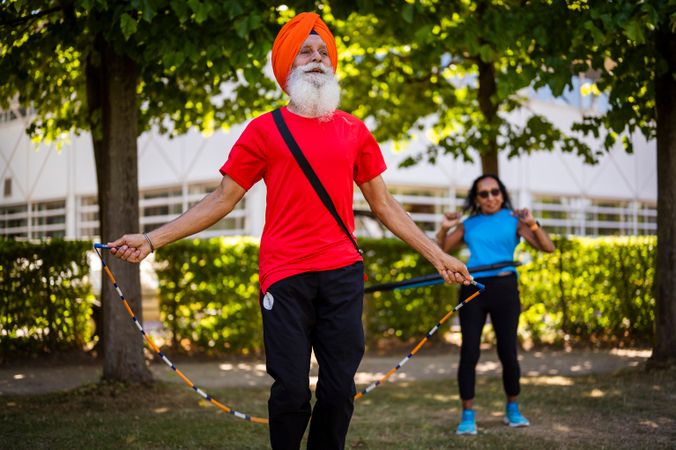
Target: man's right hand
{"points": [[132, 248]]}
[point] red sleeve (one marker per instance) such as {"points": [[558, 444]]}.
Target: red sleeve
{"points": [[246, 162], [370, 161]]}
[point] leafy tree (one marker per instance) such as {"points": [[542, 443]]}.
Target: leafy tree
{"points": [[458, 67], [116, 69], [455, 68], [631, 48]]}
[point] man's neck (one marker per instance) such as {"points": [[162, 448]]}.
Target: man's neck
{"points": [[294, 109], [299, 111]]}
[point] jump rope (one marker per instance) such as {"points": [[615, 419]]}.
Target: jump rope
{"points": [[406, 284]]}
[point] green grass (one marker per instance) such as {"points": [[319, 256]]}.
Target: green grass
{"points": [[629, 410]]}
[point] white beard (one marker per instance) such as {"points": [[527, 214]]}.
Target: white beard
{"points": [[313, 94]]}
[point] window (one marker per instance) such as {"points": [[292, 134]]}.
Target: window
{"points": [[425, 205], [39, 220], [88, 217], [10, 115], [594, 217], [234, 224], [158, 207], [619, 218], [14, 221], [8, 187], [48, 219], [557, 214], [7, 116]]}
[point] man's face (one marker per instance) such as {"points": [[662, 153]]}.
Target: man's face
{"points": [[311, 84], [313, 50]]}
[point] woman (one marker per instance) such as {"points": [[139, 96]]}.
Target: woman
{"points": [[492, 231]]}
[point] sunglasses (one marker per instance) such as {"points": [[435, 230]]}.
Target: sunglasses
{"points": [[494, 192]]}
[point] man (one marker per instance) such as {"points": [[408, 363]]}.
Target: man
{"points": [[311, 275]]}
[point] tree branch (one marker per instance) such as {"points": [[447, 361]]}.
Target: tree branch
{"points": [[19, 20]]}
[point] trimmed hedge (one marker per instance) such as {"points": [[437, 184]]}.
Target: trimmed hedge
{"points": [[209, 294], [45, 296], [408, 313], [590, 290]]}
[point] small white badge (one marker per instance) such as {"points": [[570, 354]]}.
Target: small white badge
{"points": [[268, 301]]}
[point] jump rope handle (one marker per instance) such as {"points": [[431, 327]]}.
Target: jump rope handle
{"points": [[101, 246], [480, 286]]}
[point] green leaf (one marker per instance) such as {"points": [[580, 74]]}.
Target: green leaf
{"points": [[487, 53], [127, 25], [634, 31], [233, 7], [407, 12], [423, 33], [181, 10], [242, 27], [200, 10], [149, 11], [597, 35]]}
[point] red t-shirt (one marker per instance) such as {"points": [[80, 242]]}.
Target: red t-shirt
{"points": [[300, 235]]}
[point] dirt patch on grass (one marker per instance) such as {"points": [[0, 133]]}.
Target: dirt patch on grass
{"points": [[627, 410], [40, 375]]}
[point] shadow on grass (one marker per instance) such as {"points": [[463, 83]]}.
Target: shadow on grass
{"points": [[628, 410]]}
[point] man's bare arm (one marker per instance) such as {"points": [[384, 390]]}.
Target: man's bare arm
{"points": [[212, 208], [397, 220]]}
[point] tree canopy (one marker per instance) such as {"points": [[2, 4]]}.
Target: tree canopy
{"points": [[186, 52], [454, 68], [116, 69]]}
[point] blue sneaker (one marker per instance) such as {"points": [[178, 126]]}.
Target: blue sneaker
{"points": [[467, 424], [513, 417]]}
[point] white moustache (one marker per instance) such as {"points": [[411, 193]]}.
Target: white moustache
{"points": [[312, 67]]}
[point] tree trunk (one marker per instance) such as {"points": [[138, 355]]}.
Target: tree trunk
{"points": [[489, 163], [664, 350], [487, 90], [488, 106], [111, 94]]}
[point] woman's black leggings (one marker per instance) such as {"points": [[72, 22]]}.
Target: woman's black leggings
{"points": [[501, 301]]}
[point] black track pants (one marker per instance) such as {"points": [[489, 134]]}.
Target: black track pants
{"points": [[501, 301], [320, 311]]}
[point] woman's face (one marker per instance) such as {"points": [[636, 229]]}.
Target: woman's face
{"points": [[489, 197]]}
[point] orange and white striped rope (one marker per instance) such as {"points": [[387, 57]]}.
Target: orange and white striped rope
{"points": [[247, 417]]}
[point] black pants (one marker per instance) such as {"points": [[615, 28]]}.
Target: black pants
{"points": [[320, 311], [501, 301]]}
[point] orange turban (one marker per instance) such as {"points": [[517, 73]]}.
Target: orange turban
{"points": [[290, 38]]}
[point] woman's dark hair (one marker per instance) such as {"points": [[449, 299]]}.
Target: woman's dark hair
{"points": [[470, 204]]}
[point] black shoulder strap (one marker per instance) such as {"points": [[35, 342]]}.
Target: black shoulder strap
{"points": [[310, 173]]}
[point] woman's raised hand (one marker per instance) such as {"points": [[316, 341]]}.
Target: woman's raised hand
{"points": [[450, 220]]}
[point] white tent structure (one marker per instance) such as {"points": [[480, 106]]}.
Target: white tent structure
{"points": [[49, 192]]}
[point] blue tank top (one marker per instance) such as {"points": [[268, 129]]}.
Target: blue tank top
{"points": [[491, 239]]}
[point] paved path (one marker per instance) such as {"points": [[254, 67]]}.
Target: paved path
{"points": [[34, 379]]}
